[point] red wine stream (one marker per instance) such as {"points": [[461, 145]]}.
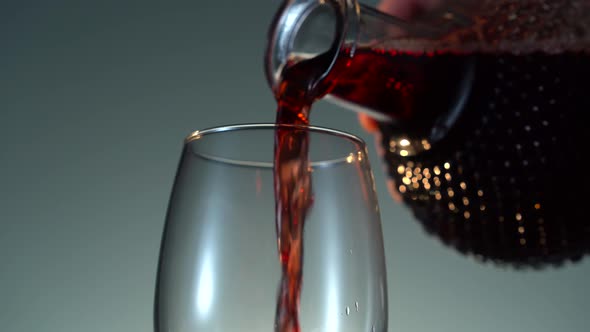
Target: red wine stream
{"points": [[293, 185]]}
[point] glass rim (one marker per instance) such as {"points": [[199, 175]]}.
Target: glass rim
{"points": [[351, 138], [234, 127]]}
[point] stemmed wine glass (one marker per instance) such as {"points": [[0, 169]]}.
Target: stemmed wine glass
{"points": [[219, 267]]}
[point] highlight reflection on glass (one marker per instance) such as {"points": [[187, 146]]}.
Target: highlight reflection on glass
{"points": [[219, 268], [205, 286]]}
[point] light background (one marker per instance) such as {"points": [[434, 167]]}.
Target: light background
{"points": [[95, 99]]}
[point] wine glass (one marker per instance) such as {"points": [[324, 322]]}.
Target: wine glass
{"points": [[219, 267]]}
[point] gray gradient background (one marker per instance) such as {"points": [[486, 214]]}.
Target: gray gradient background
{"points": [[95, 98]]}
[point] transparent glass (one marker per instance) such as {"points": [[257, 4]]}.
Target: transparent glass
{"points": [[219, 268]]}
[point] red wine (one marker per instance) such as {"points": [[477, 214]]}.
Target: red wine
{"points": [[371, 79], [293, 185], [480, 146], [300, 85], [486, 149], [416, 94], [506, 182], [293, 194]]}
